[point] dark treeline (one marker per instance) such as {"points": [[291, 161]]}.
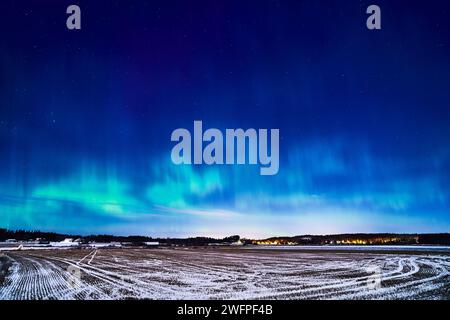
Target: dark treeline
{"points": [[23, 235], [439, 238], [378, 238], [368, 238], [197, 241]]}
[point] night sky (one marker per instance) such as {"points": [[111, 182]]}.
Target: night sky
{"points": [[86, 116]]}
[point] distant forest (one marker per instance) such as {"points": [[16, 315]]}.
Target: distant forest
{"points": [[23, 235], [365, 238], [339, 239]]}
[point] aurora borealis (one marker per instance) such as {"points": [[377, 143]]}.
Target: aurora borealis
{"points": [[86, 116]]}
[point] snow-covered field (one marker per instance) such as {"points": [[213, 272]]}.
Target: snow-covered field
{"points": [[225, 273]]}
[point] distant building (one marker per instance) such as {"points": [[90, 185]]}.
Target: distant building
{"points": [[68, 242], [41, 241]]}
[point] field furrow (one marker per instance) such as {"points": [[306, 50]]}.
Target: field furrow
{"points": [[224, 274]]}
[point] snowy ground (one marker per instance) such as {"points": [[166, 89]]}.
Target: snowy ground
{"points": [[225, 273]]}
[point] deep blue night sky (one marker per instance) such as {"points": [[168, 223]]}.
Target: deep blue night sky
{"points": [[86, 116]]}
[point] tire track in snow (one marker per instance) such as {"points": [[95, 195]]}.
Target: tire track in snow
{"points": [[206, 274]]}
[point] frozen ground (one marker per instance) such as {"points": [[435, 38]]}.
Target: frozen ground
{"points": [[225, 273]]}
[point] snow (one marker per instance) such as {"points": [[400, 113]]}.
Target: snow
{"points": [[225, 273], [54, 245]]}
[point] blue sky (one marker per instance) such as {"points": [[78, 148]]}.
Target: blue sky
{"points": [[86, 116]]}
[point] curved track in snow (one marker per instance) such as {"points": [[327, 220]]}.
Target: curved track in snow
{"points": [[224, 274]]}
